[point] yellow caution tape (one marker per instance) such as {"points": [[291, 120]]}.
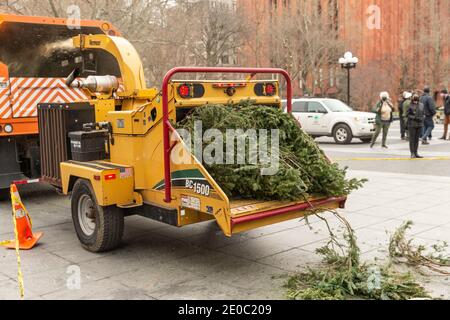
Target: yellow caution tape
{"points": [[17, 247], [16, 235], [393, 159], [19, 269], [15, 199]]}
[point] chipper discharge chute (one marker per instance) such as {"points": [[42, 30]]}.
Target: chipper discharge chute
{"points": [[127, 161]]}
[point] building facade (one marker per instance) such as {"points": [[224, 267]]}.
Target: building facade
{"points": [[407, 40]]}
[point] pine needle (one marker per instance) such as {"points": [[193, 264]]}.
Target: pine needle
{"points": [[304, 170], [344, 276], [402, 250]]}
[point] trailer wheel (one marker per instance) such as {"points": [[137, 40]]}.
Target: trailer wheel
{"points": [[99, 229]]}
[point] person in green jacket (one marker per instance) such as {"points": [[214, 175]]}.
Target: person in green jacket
{"points": [[405, 107], [384, 116]]}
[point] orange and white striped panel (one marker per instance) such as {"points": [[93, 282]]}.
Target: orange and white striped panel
{"points": [[5, 108], [27, 93]]}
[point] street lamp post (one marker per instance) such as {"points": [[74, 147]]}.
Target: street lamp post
{"points": [[348, 62]]}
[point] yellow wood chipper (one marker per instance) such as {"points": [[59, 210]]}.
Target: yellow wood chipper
{"points": [[113, 152]]}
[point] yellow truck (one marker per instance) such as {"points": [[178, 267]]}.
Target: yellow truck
{"points": [[113, 152]]}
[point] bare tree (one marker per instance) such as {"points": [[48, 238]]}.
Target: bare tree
{"points": [[166, 33], [142, 22], [304, 41], [407, 79], [215, 32], [432, 44], [367, 83], [256, 35]]}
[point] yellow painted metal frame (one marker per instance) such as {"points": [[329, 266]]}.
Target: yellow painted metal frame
{"points": [[119, 191], [219, 96], [129, 61]]}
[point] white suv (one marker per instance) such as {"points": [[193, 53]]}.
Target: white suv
{"points": [[333, 118]]}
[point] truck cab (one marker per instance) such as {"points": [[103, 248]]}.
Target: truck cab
{"points": [[35, 57]]}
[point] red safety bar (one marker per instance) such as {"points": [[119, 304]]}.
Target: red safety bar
{"points": [[167, 126], [298, 207]]}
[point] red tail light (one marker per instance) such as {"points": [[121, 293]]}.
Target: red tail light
{"points": [[265, 89], [184, 91], [270, 89], [111, 176], [191, 90]]}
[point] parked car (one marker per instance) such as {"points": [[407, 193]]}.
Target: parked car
{"points": [[333, 118]]}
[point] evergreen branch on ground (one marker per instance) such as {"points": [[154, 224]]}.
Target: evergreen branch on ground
{"points": [[343, 276]]}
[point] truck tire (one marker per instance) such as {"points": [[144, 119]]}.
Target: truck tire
{"points": [[98, 228], [342, 134]]}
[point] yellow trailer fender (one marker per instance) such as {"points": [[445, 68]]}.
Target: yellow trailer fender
{"points": [[112, 184]]}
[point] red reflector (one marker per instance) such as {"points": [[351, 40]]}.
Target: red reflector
{"points": [[97, 178], [111, 176], [184, 91], [270, 89]]}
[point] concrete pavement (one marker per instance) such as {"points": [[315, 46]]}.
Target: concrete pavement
{"points": [[398, 149], [198, 262]]}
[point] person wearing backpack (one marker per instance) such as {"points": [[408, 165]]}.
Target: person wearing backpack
{"points": [[430, 111], [416, 117], [446, 99]]}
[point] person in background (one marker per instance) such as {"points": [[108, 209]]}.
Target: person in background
{"points": [[430, 111], [446, 100], [384, 116], [406, 96], [416, 117], [406, 105]]}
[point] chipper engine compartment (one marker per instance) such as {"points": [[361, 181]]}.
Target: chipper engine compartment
{"points": [[114, 153]]}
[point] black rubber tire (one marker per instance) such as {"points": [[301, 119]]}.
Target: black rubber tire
{"points": [[349, 137], [109, 221], [366, 140]]}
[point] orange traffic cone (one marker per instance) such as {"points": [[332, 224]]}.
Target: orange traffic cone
{"points": [[27, 240]]}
